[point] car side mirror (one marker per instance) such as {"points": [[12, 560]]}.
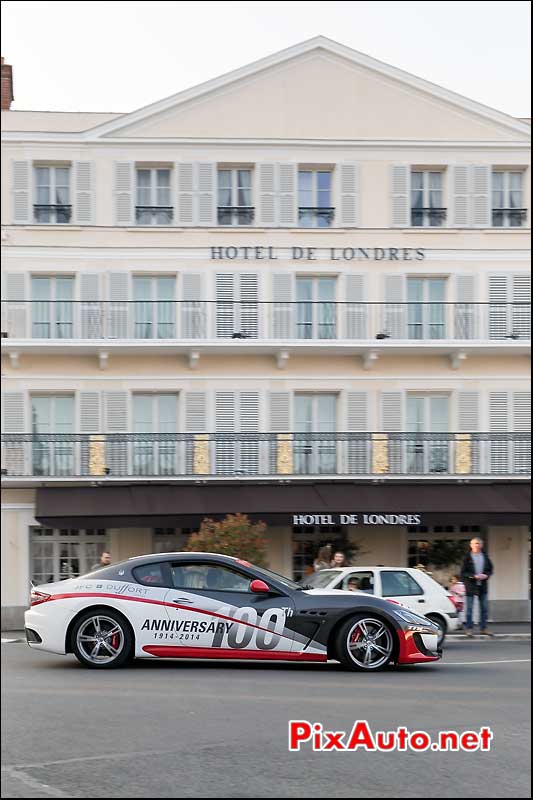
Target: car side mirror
{"points": [[259, 587]]}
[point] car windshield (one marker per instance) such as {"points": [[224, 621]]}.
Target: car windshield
{"points": [[267, 573], [319, 579]]}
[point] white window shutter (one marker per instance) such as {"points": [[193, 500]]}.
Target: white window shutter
{"points": [[287, 195], [400, 196], [358, 445], [248, 306], [498, 424], [193, 307], [14, 307], [195, 412], [22, 211], [394, 322], [468, 412], [355, 309], [90, 412], [499, 321], [124, 189], [461, 195], [185, 202], [465, 312], [349, 195], [206, 193], [248, 416], [13, 421], [392, 422], [280, 412], [282, 307], [117, 322], [268, 174], [521, 309], [84, 185], [522, 424], [225, 450], [116, 421], [481, 196], [225, 306], [91, 306]]}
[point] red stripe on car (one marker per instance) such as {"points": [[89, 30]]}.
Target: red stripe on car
{"points": [[169, 651]]}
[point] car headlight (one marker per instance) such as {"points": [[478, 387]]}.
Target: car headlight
{"points": [[416, 623]]}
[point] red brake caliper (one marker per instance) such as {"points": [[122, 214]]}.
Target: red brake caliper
{"points": [[355, 638]]}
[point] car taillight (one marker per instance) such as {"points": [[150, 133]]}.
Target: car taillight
{"points": [[457, 603], [38, 597]]}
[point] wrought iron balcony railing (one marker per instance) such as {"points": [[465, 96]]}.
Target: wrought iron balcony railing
{"points": [[428, 217], [315, 217], [264, 321], [49, 213], [154, 215], [509, 217], [235, 215], [280, 455]]}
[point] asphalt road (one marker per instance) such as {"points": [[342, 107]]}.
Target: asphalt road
{"points": [[190, 729]]}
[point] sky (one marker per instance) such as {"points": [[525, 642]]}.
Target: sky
{"points": [[119, 56]]}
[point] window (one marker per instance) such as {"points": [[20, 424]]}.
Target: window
{"points": [[52, 307], [154, 307], [155, 414], [315, 446], [153, 197], [151, 574], [426, 309], [427, 414], [209, 577], [427, 199], [67, 553], [52, 415], [314, 199], [507, 211], [235, 197], [316, 308], [398, 584], [52, 193], [357, 582]]}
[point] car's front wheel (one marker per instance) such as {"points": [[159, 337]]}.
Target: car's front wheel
{"points": [[365, 643], [101, 638]]}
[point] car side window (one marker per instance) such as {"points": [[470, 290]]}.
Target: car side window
{"points": [[208, 577], [150, 574], [399, 584], [360, 581]]}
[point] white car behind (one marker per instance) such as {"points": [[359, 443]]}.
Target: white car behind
{"points": [[409, 587]]}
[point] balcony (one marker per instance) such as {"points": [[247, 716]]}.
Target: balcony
{"points": [[202, 326], [316, 217], [276, 456], [235, 215], [509, 217], [48, 213], [428, 217], [154, 215]]}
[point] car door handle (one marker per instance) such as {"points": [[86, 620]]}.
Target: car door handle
{"points": [[421, 601]]}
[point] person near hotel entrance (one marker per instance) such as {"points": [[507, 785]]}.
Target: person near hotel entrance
{"points": [[475, 573]]}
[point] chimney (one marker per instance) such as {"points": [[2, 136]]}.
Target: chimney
{"points": [[7, 86]]}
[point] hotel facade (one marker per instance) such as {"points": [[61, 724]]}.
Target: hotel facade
{"points": [[300, 291]]}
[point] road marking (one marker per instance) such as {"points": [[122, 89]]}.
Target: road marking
{"points": [[469, 663], [44, 788]]}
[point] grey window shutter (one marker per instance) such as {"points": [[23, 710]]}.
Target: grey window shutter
{"points": [[84, 183], [280, 412], [391, 423], [465, 312], [355, 309], [468, 412], [461, 195], [185, 204], [22, 212], [349, 195], [248, 416], [124, 189], [358, 445], [91, 306], [498, 424], [90, 423], [14, 309], [193, 307], [287, 195], [195, 412], [522, 424], [499, 321], [400, 196], [13, 421], [394, 322], [248, 306], [481, 200], [267, 195], [282, 307], [116, 422], [225, 306], [205, 193], [521, 309], [225, 449], [117, 313]]}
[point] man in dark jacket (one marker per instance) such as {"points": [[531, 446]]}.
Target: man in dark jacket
{"points": [[475, 573]]}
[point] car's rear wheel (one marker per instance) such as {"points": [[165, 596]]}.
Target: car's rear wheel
{"points": [[102, 639], [365, 643], [441, 626]]}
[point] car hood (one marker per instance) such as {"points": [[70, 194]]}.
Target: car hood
{"points": [[334, 592]]}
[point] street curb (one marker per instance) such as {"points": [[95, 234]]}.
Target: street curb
{"points": [[510, 637]]}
